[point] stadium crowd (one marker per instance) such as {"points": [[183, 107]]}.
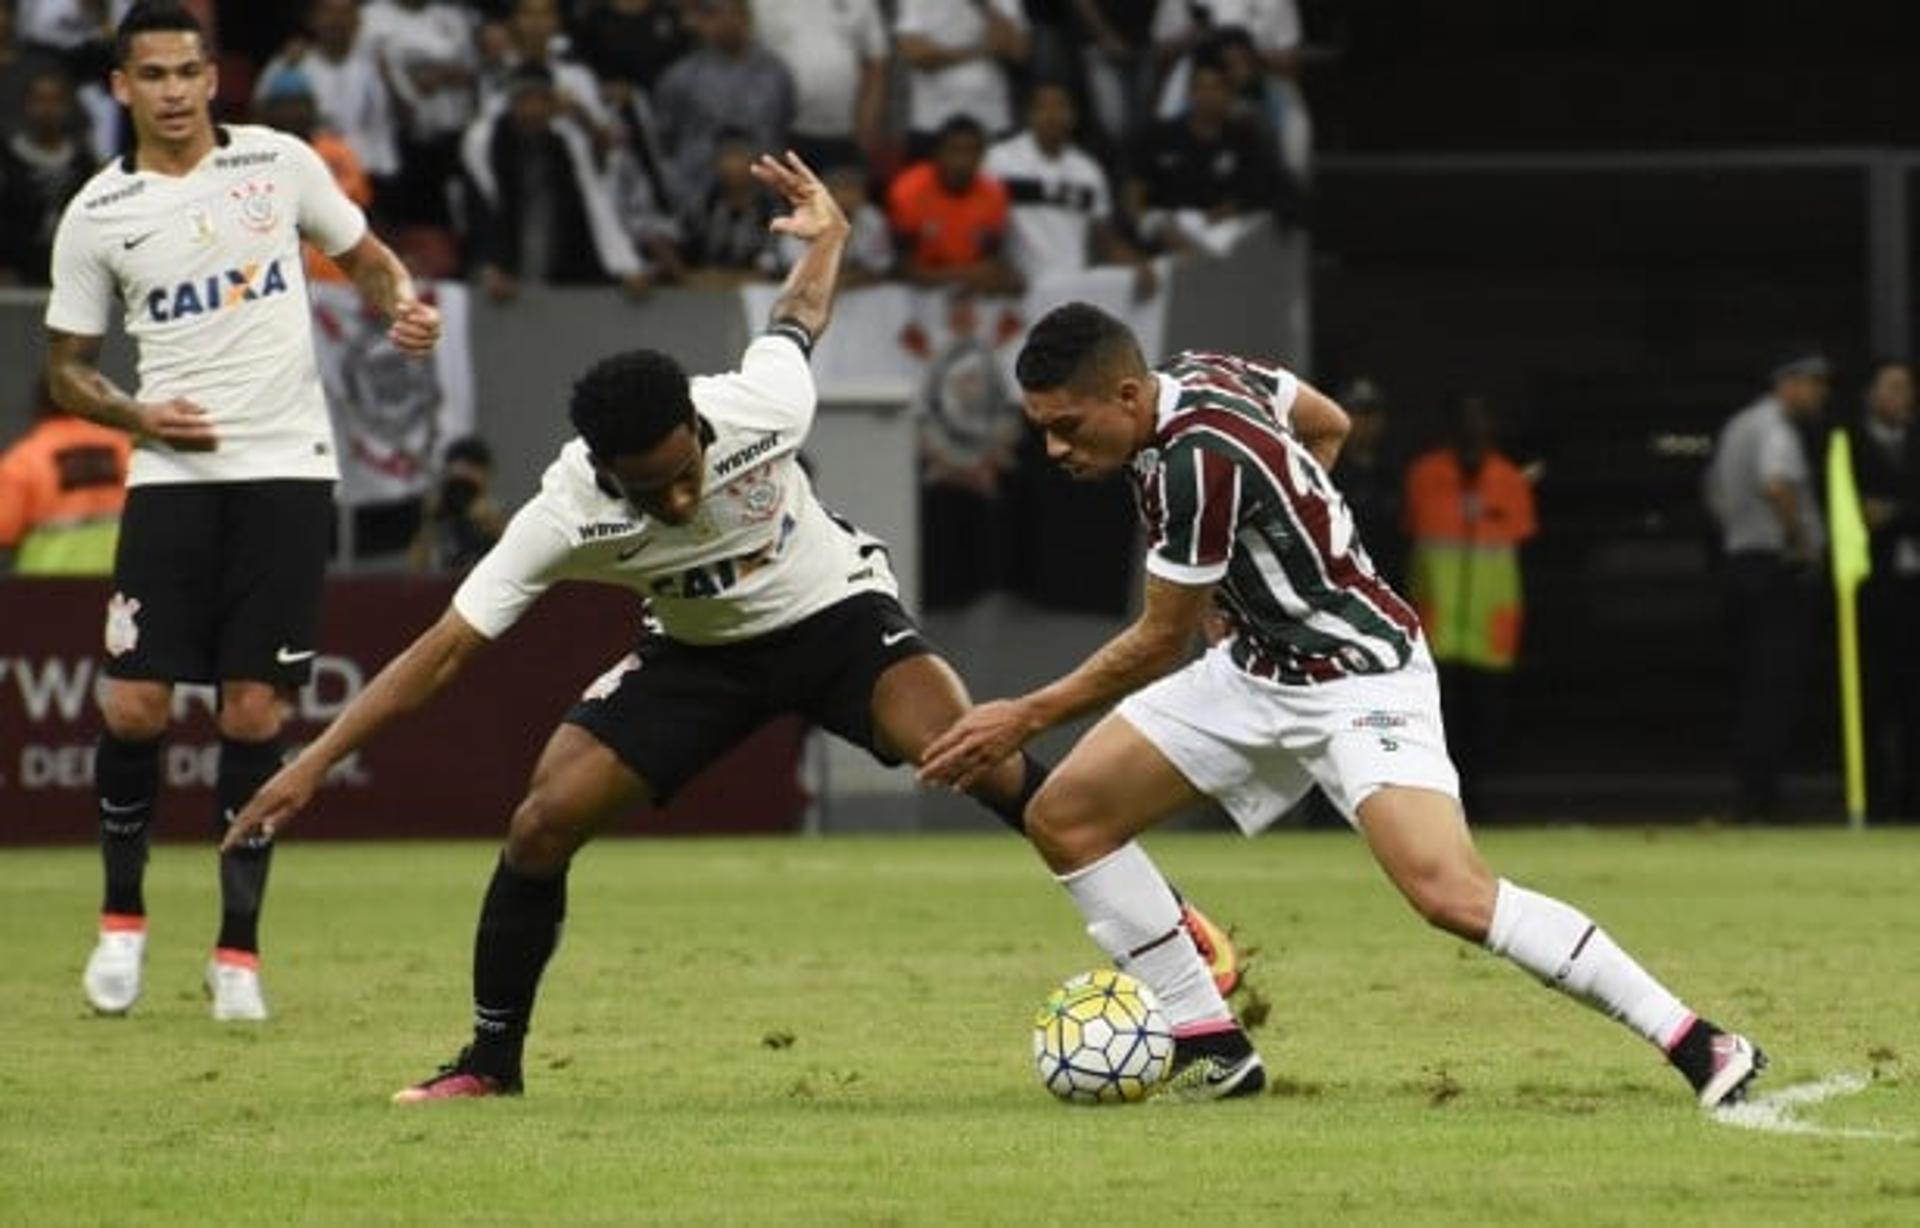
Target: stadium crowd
{"points": [[977, 143]]}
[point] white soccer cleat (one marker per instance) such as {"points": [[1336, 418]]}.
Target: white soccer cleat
{"points": [[1737, 1062], [112, 978], [235, 986]]}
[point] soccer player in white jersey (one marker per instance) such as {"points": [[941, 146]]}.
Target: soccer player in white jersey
{"points": [[690, 493], [1323, 678], [195, 235]]}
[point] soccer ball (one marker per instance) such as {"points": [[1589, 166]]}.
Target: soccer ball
{"points": [[1101, 1038]]}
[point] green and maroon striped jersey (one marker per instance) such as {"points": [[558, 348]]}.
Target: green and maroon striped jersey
{"points": [[1230, 496]]}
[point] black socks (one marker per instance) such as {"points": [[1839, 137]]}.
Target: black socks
{"points": [[244, 767], [126, 780], [519, 929]]}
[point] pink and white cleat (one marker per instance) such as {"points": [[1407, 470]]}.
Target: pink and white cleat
{"points": [[458, 1080]]}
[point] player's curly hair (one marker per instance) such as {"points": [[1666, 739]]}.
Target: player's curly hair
{"points": [[1077, 347], [628, 403], [153, 17]]}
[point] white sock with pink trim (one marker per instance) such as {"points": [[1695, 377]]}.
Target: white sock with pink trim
{"points": [[1132, 913], [1564, 947]]}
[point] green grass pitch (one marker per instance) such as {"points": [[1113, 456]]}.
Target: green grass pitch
{"points": [[837, 1032]]}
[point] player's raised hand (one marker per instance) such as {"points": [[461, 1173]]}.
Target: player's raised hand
{"points": [[416, 326], [272, 807], [179, 424], [973, 745], [814, 211]]}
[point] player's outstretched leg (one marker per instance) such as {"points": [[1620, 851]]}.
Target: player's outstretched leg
{"points": [[1112, 786], [126, 782], [578, 784], [1420, 838], [917, 698]]}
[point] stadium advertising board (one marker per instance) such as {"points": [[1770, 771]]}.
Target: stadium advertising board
{"points": [[455, 768]]}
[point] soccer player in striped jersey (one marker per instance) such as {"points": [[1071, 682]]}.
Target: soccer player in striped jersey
{"points": [[1323, 678]]}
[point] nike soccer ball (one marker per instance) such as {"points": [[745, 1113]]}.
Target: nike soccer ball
{"points": [[1101, 1038]]}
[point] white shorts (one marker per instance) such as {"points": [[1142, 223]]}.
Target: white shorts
{"points": [[1257, 747]]}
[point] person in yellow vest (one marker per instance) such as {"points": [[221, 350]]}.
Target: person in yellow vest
{"points": [[61, 489], [1468, 508]]}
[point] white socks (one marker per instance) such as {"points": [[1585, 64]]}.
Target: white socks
{"points": [[1563, 947], [1132, 913]]}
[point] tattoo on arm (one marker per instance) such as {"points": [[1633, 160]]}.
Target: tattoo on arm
{"points": [[75, 382]]}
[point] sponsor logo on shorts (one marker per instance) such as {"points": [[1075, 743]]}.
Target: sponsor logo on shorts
{"points": [[123, 629], [287, 656], [890, 638], [609, 682], [1378, 719]]}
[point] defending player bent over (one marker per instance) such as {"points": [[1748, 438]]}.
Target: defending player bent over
{"points": [[1323, 679], [196, 235], [690, 493]]}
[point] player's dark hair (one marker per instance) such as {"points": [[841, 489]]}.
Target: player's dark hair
{"points": [[1076, 346], [153, 17], [628, 403]]}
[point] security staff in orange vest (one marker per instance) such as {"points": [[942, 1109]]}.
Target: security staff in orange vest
{"points": [[1468, 509], [61, 490]]}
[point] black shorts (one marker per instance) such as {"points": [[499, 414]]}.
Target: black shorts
{"points": [[669, 709], [219, 581]]}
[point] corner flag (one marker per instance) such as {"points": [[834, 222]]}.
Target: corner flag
{"points": [[1847, 530]]}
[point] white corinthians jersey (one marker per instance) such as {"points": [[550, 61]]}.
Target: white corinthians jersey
{"points": [[761, 553], [207, 268]]}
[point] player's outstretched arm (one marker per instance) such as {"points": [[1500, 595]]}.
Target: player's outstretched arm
{"points": [[1155, 644], [807, 297], [408, 681], [384, 282], [75, 382]]}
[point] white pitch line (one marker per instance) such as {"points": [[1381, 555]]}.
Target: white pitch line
{"points": [[1774, 1112]]}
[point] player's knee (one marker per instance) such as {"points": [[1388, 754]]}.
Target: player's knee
{"points": [[250, 712], [1064, 823], [1454, 898], [543, 836], [135, 711]]}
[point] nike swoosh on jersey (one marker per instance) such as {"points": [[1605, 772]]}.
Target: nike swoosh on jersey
{"points": [[130, 244], [286, 656]]}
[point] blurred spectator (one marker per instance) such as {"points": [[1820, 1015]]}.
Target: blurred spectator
{"points": [[79, 34], [1201, 178], [1268, 31], [462, 520], [957, 54], [348, 91], [1886, 465], [61, 490], [970, 432], [731, 81], [543, 209], [532, 28], [727, 234], [41, 166], [1369, 475], [1116, 47], [837, 53], [285, 100], [869, 256], [644, 192], [1062, 208], [631, 41], [1760, 488], [18, 66], [949, 220], [425, 51], [1468, 510]]}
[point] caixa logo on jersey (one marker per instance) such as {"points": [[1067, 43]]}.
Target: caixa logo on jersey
{"points": [[216, 293]]}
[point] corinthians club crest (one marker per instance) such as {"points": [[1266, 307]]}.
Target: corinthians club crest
{"points": [[255, 203]]}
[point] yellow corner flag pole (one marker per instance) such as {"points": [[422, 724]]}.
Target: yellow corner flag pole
{"points": [[1847, 530]]}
